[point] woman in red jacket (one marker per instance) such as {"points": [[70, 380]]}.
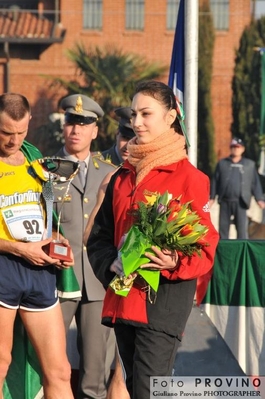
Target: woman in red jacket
{"points": [[149, 332]]}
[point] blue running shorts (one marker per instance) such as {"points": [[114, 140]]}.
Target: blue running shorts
{"points": [[25, 286]]}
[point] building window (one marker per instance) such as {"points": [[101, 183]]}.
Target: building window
{"points": [[134, 14], [172, 13], [220, 11], [92, 16]]}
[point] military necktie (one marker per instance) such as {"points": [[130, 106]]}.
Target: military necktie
{"points": [[82, 173]]}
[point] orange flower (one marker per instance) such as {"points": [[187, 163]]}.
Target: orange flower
{"points": [[174, 206], [186, 230]]}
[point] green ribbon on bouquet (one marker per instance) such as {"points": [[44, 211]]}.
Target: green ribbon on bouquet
{"points": [[132, 252]]}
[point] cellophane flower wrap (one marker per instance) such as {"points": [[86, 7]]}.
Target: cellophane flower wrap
{"points": [[160, 221]]}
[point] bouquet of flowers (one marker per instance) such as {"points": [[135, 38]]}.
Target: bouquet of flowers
{"points": [[164, 222]]}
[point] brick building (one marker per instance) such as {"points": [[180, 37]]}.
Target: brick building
{"points": [[34, 37]]}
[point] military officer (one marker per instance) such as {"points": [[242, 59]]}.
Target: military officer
{"points": [[73, 204], [118, 152]]}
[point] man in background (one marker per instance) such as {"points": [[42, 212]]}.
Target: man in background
{"points": [[235, 181], [74, 204], [118, 152]]}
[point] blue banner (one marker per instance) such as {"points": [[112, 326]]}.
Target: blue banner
{"points": [[176, 73]]}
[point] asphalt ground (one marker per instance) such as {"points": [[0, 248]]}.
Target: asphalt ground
{"points": [[203, 352]]}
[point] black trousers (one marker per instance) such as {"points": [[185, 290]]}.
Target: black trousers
{"points": [[237, 210], [144, 353]]}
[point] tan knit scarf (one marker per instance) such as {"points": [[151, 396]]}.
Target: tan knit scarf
{"points": [[164, 150]]}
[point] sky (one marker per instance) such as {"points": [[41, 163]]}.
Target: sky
{"points": [[260, 8]]}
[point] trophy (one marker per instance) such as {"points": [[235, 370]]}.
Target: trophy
{"points": [[51, 169]]}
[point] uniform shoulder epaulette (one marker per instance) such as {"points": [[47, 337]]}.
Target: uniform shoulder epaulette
{"points": [[97, 156]]}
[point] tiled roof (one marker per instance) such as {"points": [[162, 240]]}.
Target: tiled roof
{"points": [[18, 26]]}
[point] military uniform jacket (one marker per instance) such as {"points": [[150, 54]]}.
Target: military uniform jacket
{"points": [[74, 211], [111, 155]]}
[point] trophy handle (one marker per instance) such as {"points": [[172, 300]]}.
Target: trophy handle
{"points": [[59, 169]]}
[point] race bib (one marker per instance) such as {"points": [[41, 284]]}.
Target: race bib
{"points": [[25, 222]]}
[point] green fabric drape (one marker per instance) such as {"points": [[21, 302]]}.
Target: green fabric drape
{"points": [[238, 277]]}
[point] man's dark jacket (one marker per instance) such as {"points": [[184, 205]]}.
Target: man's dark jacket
{"points": [[250, 183]]}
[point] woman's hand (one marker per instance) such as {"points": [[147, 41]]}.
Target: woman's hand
{"points": [[163, 259], [117, 267]]}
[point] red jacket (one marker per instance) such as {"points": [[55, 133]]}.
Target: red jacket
{"points": [[176, 290]]}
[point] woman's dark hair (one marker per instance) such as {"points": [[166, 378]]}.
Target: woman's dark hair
{"points": [[14, 105], [162, 93]]}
